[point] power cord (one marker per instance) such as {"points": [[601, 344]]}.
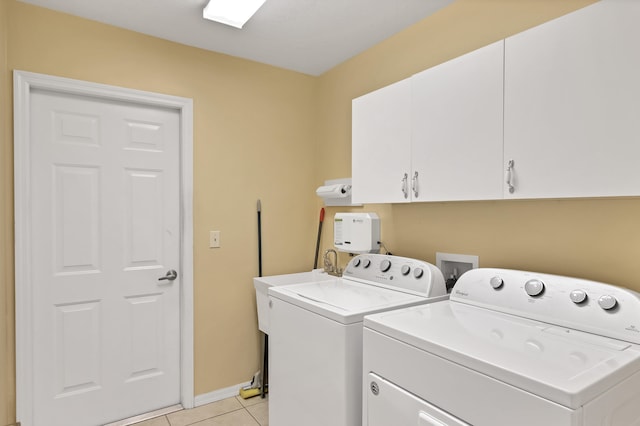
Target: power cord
{"points": [[387, 252]]}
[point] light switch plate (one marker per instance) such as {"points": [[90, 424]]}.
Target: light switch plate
{"points": [[214, 239]]}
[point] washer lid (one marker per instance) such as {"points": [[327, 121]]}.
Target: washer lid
{"points": [[343, 300], [563, 365], [261, 284]]}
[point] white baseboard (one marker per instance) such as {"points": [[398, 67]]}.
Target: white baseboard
{"points": [[219, 394]]}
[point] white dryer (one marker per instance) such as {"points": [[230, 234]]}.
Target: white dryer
{"points": [[315, 348], [508, 348]]}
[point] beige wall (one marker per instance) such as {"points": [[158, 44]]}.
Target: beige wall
{"points": [[254, 133], [597, 239], [266, 133], [7, 386]]}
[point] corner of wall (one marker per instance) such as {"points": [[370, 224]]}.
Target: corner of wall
{"points": [[7, 358]]}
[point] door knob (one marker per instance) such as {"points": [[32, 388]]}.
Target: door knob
{"points": [[171, 275]]}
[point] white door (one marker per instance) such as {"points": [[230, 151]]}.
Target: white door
{"points": [[381, 143], [457, 128], [105, 226], [388, 404], [572, 102]]}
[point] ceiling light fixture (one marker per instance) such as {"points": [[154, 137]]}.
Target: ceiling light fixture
{"points": [[231, 12]]}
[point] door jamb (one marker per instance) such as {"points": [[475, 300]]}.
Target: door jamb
{"points": [[24, 84]]}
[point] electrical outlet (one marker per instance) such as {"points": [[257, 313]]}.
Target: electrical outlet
{"points": [[214, 239], [453, 266]]}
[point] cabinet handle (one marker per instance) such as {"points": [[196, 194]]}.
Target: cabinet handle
{"points": [[405, 189], [414, 185], [508, 176]]}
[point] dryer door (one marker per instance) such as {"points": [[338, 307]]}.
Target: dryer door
{"points": [[387, 404]]}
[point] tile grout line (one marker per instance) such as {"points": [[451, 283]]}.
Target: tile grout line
{"points": [[242, 406], [218, 415], [253, 417]]}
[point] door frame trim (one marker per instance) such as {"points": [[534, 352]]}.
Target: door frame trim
{"points": [[23, 84]]}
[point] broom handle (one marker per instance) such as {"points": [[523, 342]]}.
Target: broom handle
{"points": [[259, 239], [315, 262]]}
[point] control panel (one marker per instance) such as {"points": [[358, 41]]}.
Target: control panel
{"points": [[575, 303], [399, 273]]}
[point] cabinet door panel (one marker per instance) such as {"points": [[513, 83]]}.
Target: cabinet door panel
{"points": [[572, 104], [457, 127], [381, 135]]}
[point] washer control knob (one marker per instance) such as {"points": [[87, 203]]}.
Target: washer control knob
{"points": [[405, 269], [607, 302], [366, 263], [385, 265], [418, 272], [356, 262], [496, 282], [534, 287], [578, 296]]}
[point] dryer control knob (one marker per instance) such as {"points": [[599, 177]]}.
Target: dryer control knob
{"points": [[356, 262], [385, 265], [418, 272], [534, 287], [578, 296], [405, 269], [366, 263], [496, 282], [607, 302]]}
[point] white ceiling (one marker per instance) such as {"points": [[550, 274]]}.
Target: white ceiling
{"points": [[309, 36]]}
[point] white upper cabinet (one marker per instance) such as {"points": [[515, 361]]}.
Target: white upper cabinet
{"points": [[381, 139], [572, 104], [434, 136], [552, 112], [457, 124]]}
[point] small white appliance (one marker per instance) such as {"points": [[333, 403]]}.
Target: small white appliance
{"points": [[508, 348], [356, 232], [315, 334]]}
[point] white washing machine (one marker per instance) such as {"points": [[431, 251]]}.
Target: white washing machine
{"points": [[508, 348], [315, 336]]}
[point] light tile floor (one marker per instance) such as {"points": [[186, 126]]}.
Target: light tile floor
{"points": [[233, 411]]}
